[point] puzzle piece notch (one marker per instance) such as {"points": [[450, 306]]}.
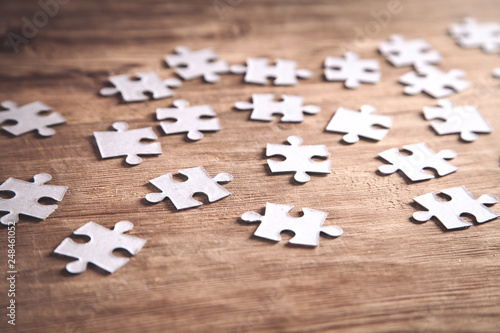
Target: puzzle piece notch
{"points": [[123, 142], [181, 193], [422, 157], [188, 119], [414, 52], [357, 124], [352, 70], [448, 212], [298, 159], [201, 63], [306, 228], [434, 82], [99, 250], [290, 108], [258, 71], [466, 120], [28, 118], [26, 198], [471, 34], [135, 90]]}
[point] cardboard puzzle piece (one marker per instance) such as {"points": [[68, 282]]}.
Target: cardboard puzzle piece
{"points": [[413, 52], [306, 228], [298, 159], [26, 198], [422, 157], [181, 193], [258, 71], [448, 212], [290, 108], [188, 119], [99, 250], [28, 118], [359, 124], [123, 142], [352, 70], [201, 63], [471, 34]]}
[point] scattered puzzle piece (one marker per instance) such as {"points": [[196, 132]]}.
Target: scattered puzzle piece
{"points": [[28, 118], [181, 193], [448, 212], [434, 82], [466, 120], [357, 124], [188, 119], [199, 63], [26, 198], [135, 90], [123, 142], [298, 159], [352, 70], [471, 34], [284, 72], [290, 108], [414, 52], [422, 157], [99, 250], [496, 73], [306, 228]]}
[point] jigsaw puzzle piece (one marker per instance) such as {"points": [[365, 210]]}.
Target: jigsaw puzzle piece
{"points": [[352, 70], [448, 212], [28, 118], [471, 34], [496, 73], [258, 71], [416, 52], [99, 250], [181, 193]]}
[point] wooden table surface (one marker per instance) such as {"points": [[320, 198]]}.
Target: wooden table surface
{"points": [[201, 270]]}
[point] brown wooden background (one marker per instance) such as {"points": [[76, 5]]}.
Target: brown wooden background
{"points": [[201, 269]]}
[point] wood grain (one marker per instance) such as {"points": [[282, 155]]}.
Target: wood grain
{"points": [[201, 270]]}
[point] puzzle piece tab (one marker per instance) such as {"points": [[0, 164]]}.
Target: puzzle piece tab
{"points": [[188, 119], [466, 120], [135, 90], [448, 212], [357, 124], [414, 52], [306, 228], [352, 70], [434, 82], [471, 34], [26, 198], [290, 108], [199, 63], [298, 159], [99, 250], [28, 118], [422, 157], [284, 72], [181, 193], [123, 142]]}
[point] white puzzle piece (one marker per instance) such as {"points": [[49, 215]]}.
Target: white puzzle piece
{"points": [[434, 82], [413, 52], [26, 198], [123, 142], [188, 119], [352, 70], [298, 159], [99, 250], [357, 124], [291, 108], [258, 71], [466, 120], [135, 90], [201, 63], [471, 34], [448, 212], [28, 118], [306, 228], [181, 193], [496, 73], [422, 157]]}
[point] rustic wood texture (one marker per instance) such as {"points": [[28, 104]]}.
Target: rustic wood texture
{"points": [[201, 270]]}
